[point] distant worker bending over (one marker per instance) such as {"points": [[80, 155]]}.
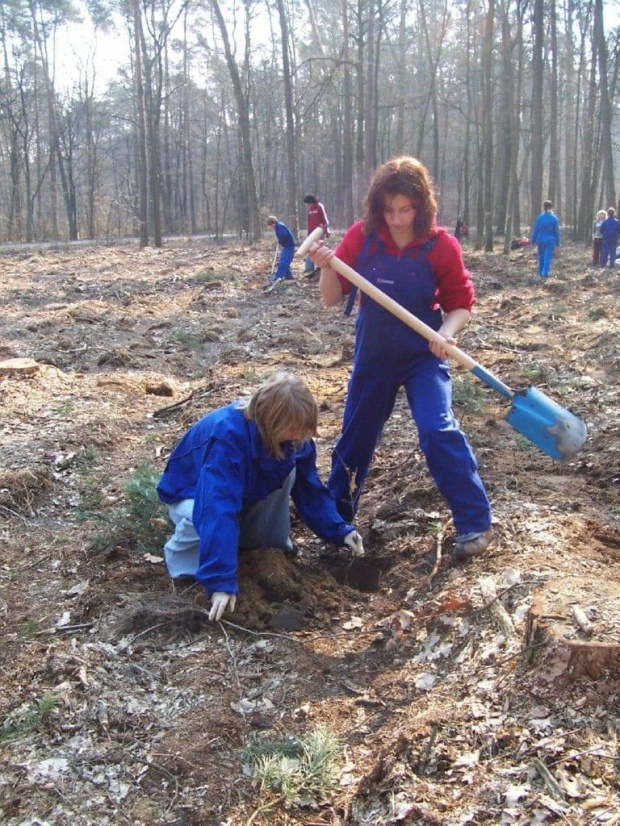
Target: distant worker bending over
{"points": [[287, 242]]}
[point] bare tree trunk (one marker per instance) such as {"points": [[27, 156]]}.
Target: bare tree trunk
{"points": [[609, 181], [512, 199], [244, 125], [587, 164], [554, 161], [536, 181], [141, 136], [347, 138], [402, 80], [370, 138], [189, 157], [361, 104], [431, 97], [487, 152], [569, 120], [290, 122]]}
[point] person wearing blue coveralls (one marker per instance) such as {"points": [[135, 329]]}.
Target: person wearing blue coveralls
{"points": [[609, 230], [228, 483], [399, 248], [287, 242], [546, 234]]}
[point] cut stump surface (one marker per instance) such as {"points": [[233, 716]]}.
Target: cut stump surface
{"points": [[573, 628]]}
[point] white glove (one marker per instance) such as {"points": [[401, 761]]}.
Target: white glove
{"points": [[219, 603], [354, 543]]}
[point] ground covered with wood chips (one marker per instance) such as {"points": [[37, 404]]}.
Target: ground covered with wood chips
{"points": [[120, 702]]}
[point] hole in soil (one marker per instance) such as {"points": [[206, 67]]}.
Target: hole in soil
{"points": [[361, 574]]}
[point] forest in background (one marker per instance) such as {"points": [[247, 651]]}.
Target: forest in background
{"points": [[228, 110]]}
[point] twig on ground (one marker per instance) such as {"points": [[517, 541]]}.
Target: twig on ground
{"points": [[148, 630], [232, 656], [263, 808], [425, 758], [440, 538], [489, 592], [169, 408], [548, 779]]}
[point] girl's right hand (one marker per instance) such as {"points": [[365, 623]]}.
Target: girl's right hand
{"points": [[320, 254]]}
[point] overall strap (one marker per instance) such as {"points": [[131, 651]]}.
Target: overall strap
{"points": [[361, 261], [427, 246]]}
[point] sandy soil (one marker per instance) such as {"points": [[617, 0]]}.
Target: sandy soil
{"points": [[120, 703]]}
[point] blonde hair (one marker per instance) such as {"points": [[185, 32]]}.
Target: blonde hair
{"points": [[401, 176], [601, 214], [281, 404], [271, 219]]}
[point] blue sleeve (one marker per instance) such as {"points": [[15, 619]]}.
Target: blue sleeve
{"points": [[535, 231], [219, 498], [313, 500], [285, 236]]}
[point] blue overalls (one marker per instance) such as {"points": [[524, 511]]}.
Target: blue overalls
{"points": [[546, 236], [286, 240], [388, 355]]}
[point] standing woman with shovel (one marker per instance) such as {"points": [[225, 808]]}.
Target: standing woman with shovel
{"points": [[399, 249]]}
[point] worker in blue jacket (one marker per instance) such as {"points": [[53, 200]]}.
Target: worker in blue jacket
{"points": [[609, 229], [286, 239], [546, 235], [229, 480]]}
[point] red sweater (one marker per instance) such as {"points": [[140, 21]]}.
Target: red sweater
{"points": [[455, 289], [317, 218]]}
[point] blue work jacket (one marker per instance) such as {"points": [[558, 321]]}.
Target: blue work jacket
{"points": [[284, 235], [610, 228], [546, 229], [223, 464]]}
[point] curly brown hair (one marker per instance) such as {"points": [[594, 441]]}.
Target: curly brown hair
{"points": [[401, 176]]}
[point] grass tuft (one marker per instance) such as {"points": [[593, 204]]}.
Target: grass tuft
{"points": [[27, 718], [467, 394], [298, 769], [141, 524]]}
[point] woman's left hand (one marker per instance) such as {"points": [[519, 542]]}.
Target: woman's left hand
{"points": [[437, 349]]}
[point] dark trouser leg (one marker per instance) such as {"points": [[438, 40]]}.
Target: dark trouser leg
{"points": [[268, 523], [368, 407], [449, 456]]}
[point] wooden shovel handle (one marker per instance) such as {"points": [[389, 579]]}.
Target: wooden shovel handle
{"points": [[388, 303]]}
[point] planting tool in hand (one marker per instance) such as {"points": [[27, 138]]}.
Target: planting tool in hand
{"points": [[556, 431], [271, 282], [273, 263]]}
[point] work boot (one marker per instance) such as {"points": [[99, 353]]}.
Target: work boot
{"points": [[468, 545]]}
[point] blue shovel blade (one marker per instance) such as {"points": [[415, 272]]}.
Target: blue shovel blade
{"points": [[553, 429]]}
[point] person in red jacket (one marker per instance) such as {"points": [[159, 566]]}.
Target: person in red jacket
{"points": [[400, 249], [317, 217]]}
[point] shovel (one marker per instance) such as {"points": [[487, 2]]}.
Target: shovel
{"points": [[556, 431], [273, 263], [270, 281]]}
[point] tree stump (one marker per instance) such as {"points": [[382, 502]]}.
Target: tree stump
{"points": [[19, 366], [573, 628]]}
